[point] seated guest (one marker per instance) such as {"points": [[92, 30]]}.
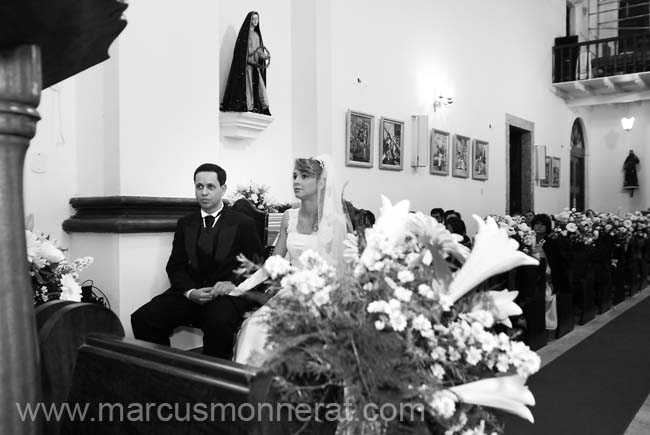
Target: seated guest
{"points": [[366, 218], [541, 224], [438, 214], [457, 226], [451, 212], [545, 251], [246, 207], [201, 270], [529, 215]]}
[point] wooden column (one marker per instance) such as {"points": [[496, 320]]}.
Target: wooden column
{"points": [[20, 90]]}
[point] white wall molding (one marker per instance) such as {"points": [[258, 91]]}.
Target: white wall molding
{"points": [[243, 125]]}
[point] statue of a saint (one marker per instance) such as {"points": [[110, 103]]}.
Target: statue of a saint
{"points": [[630, 179], [246, 86]]}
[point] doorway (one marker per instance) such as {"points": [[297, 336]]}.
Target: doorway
{"points": [[519, 165], [577, 186]]}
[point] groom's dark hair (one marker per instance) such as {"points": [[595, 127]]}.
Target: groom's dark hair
{"points": [[211, 167]]}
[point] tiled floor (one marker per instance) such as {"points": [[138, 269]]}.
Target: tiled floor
{"points": [[640, 425]]}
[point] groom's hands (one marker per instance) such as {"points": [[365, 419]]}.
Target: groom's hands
{"points": [[206, 294], [200, 295], [222, 288]]}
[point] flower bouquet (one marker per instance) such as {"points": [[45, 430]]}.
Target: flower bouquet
{"points": [[640, 224], [612, 229], [402, 330], [255, 193], [518, 229], [574, 228], [52, 275]]}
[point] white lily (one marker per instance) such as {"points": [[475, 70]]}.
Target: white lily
{"points": [[435, 233], [50, 252], [508, 393], [494, 252], [351, 248], [505, 306], [392, 218], [70, 289]]}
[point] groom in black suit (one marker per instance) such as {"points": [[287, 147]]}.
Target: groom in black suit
{"points": [[201, 271]]}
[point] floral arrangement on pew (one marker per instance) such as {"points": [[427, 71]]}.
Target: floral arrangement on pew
{"points": [[640, 224], [52, 275], [575, 228], [519, 230], [403, 325], [613, 229], [258, 195]]}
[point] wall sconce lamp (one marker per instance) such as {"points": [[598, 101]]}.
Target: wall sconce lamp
{"points": [[627, 123], [442, 101], [540, 162]]}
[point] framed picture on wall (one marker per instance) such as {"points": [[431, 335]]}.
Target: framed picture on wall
{"points": [[460, 159], [544, 182], [358, 139], [391, 143], [439, 152], [555, 172], [479, 160]]}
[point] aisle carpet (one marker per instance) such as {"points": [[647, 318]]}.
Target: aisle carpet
{"points": [[596, 387]]}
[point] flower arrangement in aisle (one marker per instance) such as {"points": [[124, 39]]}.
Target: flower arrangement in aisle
{"points": [[52, 275], [402, 326], [518, 229], [575, 228]]}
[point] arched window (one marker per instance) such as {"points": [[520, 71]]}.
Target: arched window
{"points": [[577, 136]]}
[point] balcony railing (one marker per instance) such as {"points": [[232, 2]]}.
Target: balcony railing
{"points": [[601, 58]]}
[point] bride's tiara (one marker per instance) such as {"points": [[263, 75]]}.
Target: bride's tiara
{"points": [[320, 162]]}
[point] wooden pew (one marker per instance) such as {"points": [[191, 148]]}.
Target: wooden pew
{"points": [[618, 274], [600, 261], [273, 230], [530, 282], [62, 327], [130, 374], [581, 279]]}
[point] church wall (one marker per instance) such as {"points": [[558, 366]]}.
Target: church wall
{"points": [[168, 84], [607, 147], [405, 56], [50, 164]]}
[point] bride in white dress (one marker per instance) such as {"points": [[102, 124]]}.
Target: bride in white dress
{"points": [[319, 225]]}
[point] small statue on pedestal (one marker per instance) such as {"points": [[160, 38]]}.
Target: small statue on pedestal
{"points": [[246, 86], [630, 179]]}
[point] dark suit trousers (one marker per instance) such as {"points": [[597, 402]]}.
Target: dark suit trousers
{"points": [[219, 320]]}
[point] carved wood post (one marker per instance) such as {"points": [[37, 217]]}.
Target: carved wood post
{"points": [[20, 91]]}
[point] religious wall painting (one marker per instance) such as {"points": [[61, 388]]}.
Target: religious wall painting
{"points": [[391, 144], [358, 139], [439, 152], [555, 172], [544, 182], [460, 158], [479, 160]]}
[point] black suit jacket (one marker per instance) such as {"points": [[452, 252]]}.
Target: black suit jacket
{"points": [[236, 234]]}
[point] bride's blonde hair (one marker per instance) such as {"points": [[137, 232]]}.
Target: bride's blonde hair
{"points": [[309, 166]]}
